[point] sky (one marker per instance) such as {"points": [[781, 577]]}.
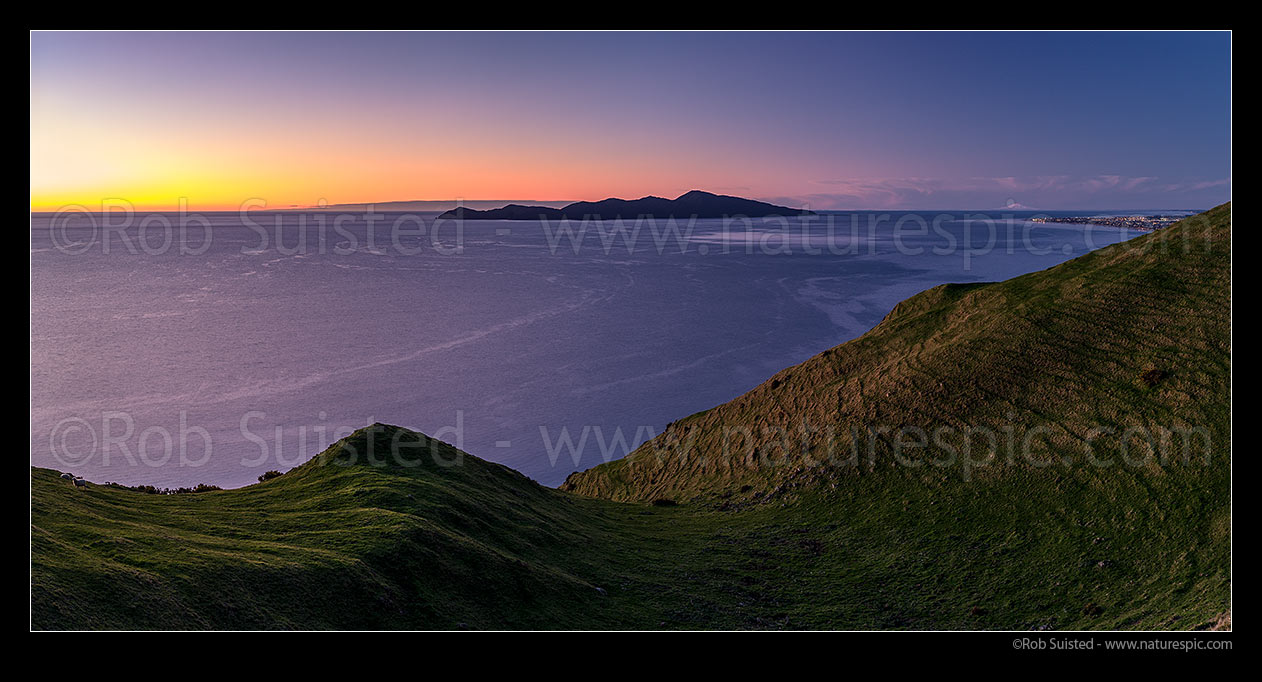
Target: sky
{"points": [[835, 120]]}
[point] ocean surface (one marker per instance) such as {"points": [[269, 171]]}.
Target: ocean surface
{"points": [[175, 350]]}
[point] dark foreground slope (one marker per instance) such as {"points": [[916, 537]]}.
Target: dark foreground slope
{"points": [[1132, 336], [356, 538]]}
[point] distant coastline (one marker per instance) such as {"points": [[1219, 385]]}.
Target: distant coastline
{"points": [[427, 205], [1145, 223]]}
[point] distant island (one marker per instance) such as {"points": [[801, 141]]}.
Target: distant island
{"points": [[694, 204]]}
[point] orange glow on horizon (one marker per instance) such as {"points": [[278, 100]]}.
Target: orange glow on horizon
{"points": [[160, 155], [214, 181], [216, 119]]}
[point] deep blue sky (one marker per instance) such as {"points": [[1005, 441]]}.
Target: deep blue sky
{"points": [[835, 120]]}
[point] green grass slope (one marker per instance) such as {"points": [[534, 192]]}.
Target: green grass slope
{"points": [[785, 536], [432, 538], [1127, 344]]}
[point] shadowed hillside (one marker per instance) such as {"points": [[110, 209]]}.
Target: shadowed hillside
{"points": [[1048, 452]]}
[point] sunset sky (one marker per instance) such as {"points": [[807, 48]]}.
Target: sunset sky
{"points": [[827, 120]]}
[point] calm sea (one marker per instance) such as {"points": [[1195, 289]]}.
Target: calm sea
{"points": [[176, 350]]}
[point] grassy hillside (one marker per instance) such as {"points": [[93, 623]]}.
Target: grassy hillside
{"points": [[340, 542], [1134, 335]]}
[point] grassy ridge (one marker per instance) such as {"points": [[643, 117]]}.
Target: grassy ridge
{"points": [[1134, 336], [337, 542], [771, 540]]}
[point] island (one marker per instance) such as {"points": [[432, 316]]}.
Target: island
{"points": [[694, 204]]}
